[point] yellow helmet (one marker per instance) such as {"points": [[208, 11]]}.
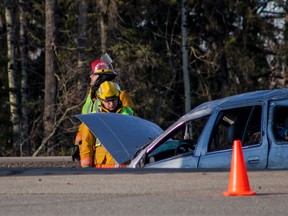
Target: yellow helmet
{"points": [[108, 91]]}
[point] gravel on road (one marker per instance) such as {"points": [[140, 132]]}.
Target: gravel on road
{"points": [[38, 162]]}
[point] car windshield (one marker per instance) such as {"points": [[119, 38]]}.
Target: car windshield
{"points": [[181, 140]]}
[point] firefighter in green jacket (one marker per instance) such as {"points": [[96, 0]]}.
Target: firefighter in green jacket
{"points": [[101, 71], [92, 152]]}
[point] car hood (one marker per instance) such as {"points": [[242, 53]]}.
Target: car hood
{"points": [[121, 135]]}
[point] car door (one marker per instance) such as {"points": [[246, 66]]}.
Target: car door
{"points": [[278, 130], [245, 123], [178, 147]]}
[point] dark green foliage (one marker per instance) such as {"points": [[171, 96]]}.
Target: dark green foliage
{"points": [[234, 46]]}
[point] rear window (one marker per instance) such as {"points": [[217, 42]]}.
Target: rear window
{"points": [[280, 124]]}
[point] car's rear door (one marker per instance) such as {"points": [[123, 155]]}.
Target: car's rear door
{"points": [[245, 123], [277, 131]]}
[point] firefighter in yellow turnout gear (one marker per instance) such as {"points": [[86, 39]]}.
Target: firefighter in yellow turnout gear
{"points": [[92, 152], [101, 71]]}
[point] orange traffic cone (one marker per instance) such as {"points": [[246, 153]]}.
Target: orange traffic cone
{"points": [[238, 182]]}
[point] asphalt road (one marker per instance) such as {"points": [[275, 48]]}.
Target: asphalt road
{"points": [[76, 191]]}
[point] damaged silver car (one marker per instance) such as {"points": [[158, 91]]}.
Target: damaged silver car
{"points": [[203, 137]]}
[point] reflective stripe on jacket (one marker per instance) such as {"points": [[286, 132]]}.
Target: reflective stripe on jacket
{"points": [[110, 166]]}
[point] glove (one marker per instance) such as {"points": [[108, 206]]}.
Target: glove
{"points": [[76, 153]]}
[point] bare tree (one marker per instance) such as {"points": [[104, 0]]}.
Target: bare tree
{"points": [[185, 64], [11, 68], [24, 145], [50, 72], [82, 43], [286, 43], [102, 6], [107, 18]]}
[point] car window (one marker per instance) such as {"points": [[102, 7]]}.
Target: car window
{"points": [[280, 123], [181, 140], [239, 123]]}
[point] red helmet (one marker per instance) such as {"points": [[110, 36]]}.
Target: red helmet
{"points": [[102, 67]]}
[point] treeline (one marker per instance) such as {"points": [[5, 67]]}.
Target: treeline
{"points": [[218, 48]]}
